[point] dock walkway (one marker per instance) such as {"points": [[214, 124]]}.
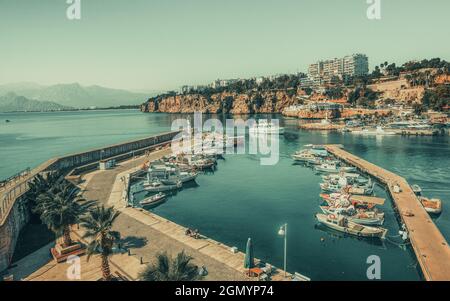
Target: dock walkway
{"points": [[431, 248]]}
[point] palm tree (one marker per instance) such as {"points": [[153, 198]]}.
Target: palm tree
{"points": [[98, 224], [40, 185], [61, 209], [171, 269]]}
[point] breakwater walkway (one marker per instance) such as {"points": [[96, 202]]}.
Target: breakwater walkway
{"points": [[431, 248]]}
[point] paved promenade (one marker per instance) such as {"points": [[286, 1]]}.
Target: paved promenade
{"points": [[430, 247]]}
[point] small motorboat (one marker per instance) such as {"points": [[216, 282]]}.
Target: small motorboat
{"points": [[7, 121], [366, 189], [363, 217], [416, 189], [158, 186], [303, 157], [153, 200], [342, 224], [347, 169], [344, 200], [185, 176], [203, 164], [264, 127], [327, 167], [433, 206], [330, 187]]}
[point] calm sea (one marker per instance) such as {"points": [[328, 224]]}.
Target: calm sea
{"points": [[244, 199]]}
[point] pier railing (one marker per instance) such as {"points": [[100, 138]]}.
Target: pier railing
{"points": [[13, 190]]}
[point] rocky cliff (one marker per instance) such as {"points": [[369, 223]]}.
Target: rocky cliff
{"points": [[225, 102]]}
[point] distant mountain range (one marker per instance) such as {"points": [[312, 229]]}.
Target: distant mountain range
{"points": [[74, 95], [12, 102]]}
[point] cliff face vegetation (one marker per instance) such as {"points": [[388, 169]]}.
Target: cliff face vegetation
{"points": [[224, 102]]}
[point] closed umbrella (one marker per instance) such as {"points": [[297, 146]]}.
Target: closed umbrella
{"points": [[249, 258]]}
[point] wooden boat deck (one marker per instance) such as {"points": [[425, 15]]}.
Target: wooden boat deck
{"points": [[431, 248]]}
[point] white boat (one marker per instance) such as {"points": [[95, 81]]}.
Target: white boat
{"points": [[303, 157], [417, 189], [264, 127], [366, 189], [185, 176], [330, 187], [378, 131], [153, 200], [158, 186], [342, 224], [327, 167], [352, 178], [347, 169], [203, 164], [433, 206], [343, 200], [362, 217]]}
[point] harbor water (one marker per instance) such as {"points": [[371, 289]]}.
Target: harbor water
{"points": [[243, 198]]}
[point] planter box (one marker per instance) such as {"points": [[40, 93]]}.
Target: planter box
{"points": [[61, 254]]}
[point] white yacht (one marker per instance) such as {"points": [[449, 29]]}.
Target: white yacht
{"points": [[379, 131], [266, 127]]}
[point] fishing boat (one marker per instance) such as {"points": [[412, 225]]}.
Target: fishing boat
{"points": [[158, 186], [330, 187], [433, 206], [351, 178], [363, 217], [185, 176], [347, 169], [203, 164], [342, 224], [304, 157], [417, 189], [153, 200], [327, 167], [358, 201], [360, 190]]}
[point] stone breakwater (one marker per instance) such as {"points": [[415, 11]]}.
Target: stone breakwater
{"points": [[225, 102]]}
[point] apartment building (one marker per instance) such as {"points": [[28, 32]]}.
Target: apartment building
{"points": [[339, 68]]}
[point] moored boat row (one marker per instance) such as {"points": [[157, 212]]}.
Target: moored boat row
{"points": [[347, 202], [170, 174]]}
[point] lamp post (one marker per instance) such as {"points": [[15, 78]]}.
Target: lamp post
{"points": [[283, 232]]}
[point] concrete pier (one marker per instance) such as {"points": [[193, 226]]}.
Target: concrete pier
{"points": [[429, 245]]}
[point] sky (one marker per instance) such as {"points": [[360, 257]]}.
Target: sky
{"points": [[163, 44]]}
